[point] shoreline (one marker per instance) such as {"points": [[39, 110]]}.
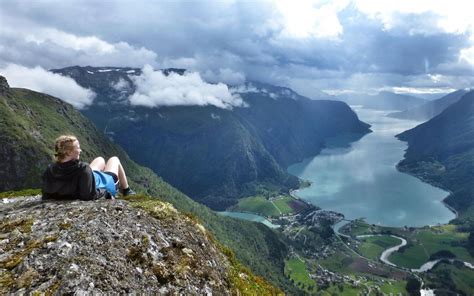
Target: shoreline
{"points": [[293, 193], [437, 185]]}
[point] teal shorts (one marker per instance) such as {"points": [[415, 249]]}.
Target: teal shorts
{"points": [[104, 180]]}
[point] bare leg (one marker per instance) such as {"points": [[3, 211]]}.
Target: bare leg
{"points": [[98, 164], [113, 165]]}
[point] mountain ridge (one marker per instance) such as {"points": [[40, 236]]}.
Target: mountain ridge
{"points": [[441, 151], [29, 123], [384, 100], [430, 109], [253, 145]]}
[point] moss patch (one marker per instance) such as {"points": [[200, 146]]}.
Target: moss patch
{"points": [[240, 278], [23, 225], [17, 193]]}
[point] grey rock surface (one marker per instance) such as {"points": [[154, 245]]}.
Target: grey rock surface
{"points": [[4, 87], [79, 247]]}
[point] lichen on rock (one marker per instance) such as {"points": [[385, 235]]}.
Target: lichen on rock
{"points": [[105, 246]]}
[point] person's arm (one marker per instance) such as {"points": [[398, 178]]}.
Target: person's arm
{"points": [[87, 189]]}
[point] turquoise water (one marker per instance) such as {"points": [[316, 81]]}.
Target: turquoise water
{"points": [[362, 182], [249, 217]]}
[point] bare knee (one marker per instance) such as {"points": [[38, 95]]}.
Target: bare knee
{"points": [[114, 159], [99, 159], [98, 163], [113, 165]]}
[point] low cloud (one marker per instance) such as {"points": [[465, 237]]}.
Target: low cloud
{"points": [[38, 79], [121, 85], [154, 89], [225, 75], [244, 88]]}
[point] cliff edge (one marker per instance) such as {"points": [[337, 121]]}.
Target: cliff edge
{"points": [[142, 245]]}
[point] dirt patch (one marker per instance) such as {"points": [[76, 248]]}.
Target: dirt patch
{"points": [[297, 205]]}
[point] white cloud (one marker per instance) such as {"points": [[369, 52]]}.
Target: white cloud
{"points": [[27, 43], [419, 90], [453, 16], [153, 89], [38, 79], [121, 85], [306, 18], [225, 75], [467, 55], [244, 88]]}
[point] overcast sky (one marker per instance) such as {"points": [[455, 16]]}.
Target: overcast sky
{"points": [[310, 46]]}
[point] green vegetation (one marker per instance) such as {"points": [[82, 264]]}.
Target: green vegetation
{"points": [[243, 281], [343, 290], [387, 288], [447, 278], [394, 287], [441, 151], [296, 270], [29, 124], [282, 203], [258, 205], [372, 247], [423, 243], [357, 227], [268, 207], [339, 262], [17, 193]]}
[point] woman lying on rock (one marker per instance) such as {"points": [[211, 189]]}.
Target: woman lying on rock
{"points": [[70, 178]]}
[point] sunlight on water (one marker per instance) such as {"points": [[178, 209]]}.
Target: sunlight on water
{"points": [[362, 181]]}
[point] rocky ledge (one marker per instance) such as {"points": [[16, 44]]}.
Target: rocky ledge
{"points": [[78, 247]]}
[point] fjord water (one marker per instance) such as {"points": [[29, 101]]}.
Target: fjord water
{"points": [[361, 181]]}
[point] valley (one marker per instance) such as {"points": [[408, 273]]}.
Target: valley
{"points": [[269, 147], [305, 250], [424, 250]]}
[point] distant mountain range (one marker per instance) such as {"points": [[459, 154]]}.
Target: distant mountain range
{"points": [[431, 108], [382, 101], [441, 151], [216, 155]]}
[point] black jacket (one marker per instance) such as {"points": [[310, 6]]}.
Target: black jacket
{"points": [[69, 180]]}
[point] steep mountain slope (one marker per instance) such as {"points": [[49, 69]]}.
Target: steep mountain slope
{"points": [[383, 101], [29, 123], [441, 151], [216, 155], [430, 109], [293, 127]]}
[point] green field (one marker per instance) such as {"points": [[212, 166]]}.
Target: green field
{"points": [[422, 242], [342, 290], [372, 247], [357, 227], [339, 262], [258, 205], [296, 270], [393, 287], [262, 206], [427, 241], [450, 277], [282, 204]]}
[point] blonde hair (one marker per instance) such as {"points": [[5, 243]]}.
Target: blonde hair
{"points": [[63, 146]]}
